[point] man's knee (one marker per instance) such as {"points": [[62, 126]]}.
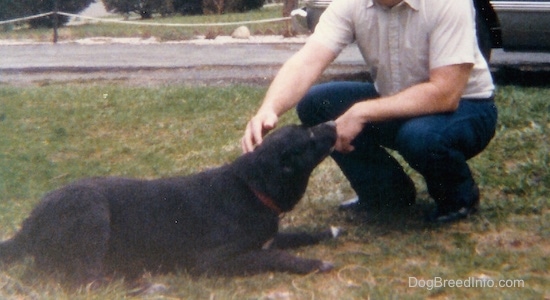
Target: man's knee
{"points": [[307, 110], [327, 101], [316, 107], [420, 145]]}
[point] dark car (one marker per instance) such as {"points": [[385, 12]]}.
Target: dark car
{"points": [[511, 25]]}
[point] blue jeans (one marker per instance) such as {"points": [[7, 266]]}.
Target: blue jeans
{"points": [[437, 146]]}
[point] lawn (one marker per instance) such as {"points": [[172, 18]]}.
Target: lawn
{"points": [[51, 135]]}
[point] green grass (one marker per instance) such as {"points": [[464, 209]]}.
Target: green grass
{"points": [[162, 33], [54, 134]]}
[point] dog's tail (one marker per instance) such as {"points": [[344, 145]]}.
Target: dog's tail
{"points": [[12, 250]]}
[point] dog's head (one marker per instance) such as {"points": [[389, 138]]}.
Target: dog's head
{"points": [[284, 161], [299, 149]]}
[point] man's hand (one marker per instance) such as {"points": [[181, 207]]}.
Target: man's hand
{"points": [[292, 82], [348, 126], [257, 128]]}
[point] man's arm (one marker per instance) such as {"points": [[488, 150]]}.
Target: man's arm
{"points": [[292, 82], [440, 94]]}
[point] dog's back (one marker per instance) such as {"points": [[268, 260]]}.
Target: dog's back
{"points": [[131, 225], [12, 250]]}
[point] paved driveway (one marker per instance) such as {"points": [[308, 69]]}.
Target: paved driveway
{"points": [[198, 62]]}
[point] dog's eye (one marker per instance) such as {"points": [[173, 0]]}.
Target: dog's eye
{"points": [[291, 154]]}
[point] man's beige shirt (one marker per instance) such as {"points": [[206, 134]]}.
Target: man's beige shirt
{"points": [[400, 45]]}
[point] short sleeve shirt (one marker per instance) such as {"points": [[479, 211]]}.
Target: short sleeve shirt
{"points": [[401, 44]]}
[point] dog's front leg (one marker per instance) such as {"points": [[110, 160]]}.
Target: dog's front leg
{"points": [[271, 260], [295, 240]]}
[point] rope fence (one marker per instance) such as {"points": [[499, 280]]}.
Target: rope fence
{"points": [[238, 23], [26, 18]]}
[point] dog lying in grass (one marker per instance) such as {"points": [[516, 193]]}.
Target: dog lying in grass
{"points": [[222, 221]]}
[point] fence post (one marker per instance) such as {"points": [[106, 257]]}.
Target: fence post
{"points": [[55, 21]]}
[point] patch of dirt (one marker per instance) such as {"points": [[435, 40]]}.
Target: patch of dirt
{"points": [[509, 240]]}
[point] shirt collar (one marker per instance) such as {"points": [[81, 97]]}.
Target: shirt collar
{"points": [[414, 4]]}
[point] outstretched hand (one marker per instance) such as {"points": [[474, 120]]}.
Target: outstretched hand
{"points": [[257, 128]]}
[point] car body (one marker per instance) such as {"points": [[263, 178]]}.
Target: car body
{"points": [[522, 25], [511, 25]]}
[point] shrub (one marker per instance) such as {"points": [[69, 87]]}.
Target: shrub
{"points": [[188, 7], [10, 9], [146, 8], [227, 6]]}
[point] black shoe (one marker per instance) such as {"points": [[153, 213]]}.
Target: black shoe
{"points": [[448, 215]]}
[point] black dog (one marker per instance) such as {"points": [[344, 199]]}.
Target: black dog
{"points": [[215, 222]]}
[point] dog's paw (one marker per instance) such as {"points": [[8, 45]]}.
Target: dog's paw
{"points": [[335, 231], [332, 233], [326, 266]]}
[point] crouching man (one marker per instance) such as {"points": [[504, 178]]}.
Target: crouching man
{"points": [[431, 100]]}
